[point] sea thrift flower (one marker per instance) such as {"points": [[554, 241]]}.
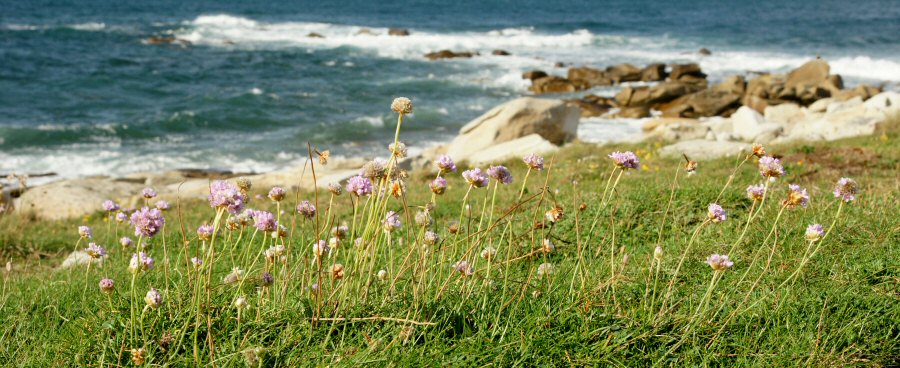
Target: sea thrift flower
{"points": [[423, 219], [306, 209], [815, 232], [374, 170], [244, 184], [234, 277], [85, 232], [162, 205], [488, 253], [153, 298], [719, 262], [402, 105], [126, 242], [320, 248], [121, 217], [205, 232], [266, 279], [445, 164], [438, 185], [625, 160], [277, 194], [463, 268], [107, 285], [264, 221], [95, 251], [340, 232], [240, 303], [147, 222], [140, 262], [398, 149], [337, 271], [335, 188], [391, 221], [547, 246], [110, 206], [758, 150], [716, 213], [534, 162], [223, 194], [500, 174], [197, 262], [431, 238], [770, 167], [797, 196], [382, 275], [453, 227], [756, 192], [545, 269], [846, 189], [359, 185], [148, 193], [476, 178]]}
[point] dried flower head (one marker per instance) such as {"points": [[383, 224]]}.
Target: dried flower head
{"points": [[240, 303], [126, 242], [547, 246], [140, 262], [431, 238], [107, 286], [719, 262], [205, 232], [85, 232], [306, 209], [391, 221], [340, 232], [95, 251], [770, 167], [323, 156], [234, 276], [758, 150], [337, 271], [488, 253], [137, 356], [320, 248], [423, 219], [554, 214], [846, 189], [110, 206], [359, 185], [463, 268], [253, 356], [148, 193], [625, 160], [398, 149], [716, 213], [545, 270], [797, 196], [402, 105], [374, 170], [335, 188], [244, 184], [690, 166], [658, 253], [398, 188], [534, 162], [277, 194], [476, 178], [756, 192], [153, 298], [382, 275], [453, 227]]}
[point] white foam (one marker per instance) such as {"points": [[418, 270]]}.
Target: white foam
{"points": [[90, 26]]}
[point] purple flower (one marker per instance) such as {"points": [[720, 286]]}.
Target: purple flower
{"points": [[846, 189], [126, 242], [95, 251], [110, 206], [107, 285], [147, 222], [197, 262], [463, 268], [121, 217], [797, 196], [445, 164], [431, 238], [534, 162], [266, 279], [162, 205], [359, 185], [277, 194], [85, 232], [148, 193], [391, 221], [770, 167], [716, 213], [205, 232], [500, 174], [223, 194], [140, 262], [438, 185], [307, 209], [153, 298], [625, 160], [476, 178], [815, 232], [719, 262], [264, 221], [756, 192]]}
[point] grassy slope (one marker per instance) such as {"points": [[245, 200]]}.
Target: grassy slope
{"points": [[844, 309]]}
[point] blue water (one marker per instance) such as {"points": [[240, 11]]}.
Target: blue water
{"points": [[81, 94]]}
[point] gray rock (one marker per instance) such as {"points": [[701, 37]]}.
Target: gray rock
{"points": [[701, 149]]}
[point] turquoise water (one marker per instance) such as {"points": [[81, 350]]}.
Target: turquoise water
{"points": [[81, 94]]}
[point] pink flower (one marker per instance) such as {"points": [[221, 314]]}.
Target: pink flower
{"points": [[719, 262], [625, 160], [846, 189]]}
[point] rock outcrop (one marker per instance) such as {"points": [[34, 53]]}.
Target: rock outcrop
{"points": [[398, 32], [448, 54]]}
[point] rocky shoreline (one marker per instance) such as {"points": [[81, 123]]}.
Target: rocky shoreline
{"points": [[679, 105]]}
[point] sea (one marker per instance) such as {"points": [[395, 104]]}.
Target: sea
{"points": [[245, 89]]}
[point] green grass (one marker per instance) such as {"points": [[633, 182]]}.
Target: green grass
{"points": [[843, 309]]}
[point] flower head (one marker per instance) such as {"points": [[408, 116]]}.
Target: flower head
{"points": [[359, 185], [374, 170], [306, 209], [625, 160], [501, 174], [463, 268], [277, 194], [337, 271], [658, 253], [140, 262], [438, 185], [397, 188], [223, 194], [264, 221], [335, 188], [534, 162], [476, 178], [554, 214], [445, 164], [545, 270], [107, 285], [240, 303], [814, 232], [547, 246], [121, 217], [85, 232], [716, 213], [690, 166], [320, 248], [391, 221], [431, 238], [797, 196], [382, 275], [398, 149], [756, 192], [402, 105], [244, 184], [266, 279], [488, 253], [110, 206], [205, 232], [126, 242], [197, 262], [846, 189], [162, 205], [758, 150], [234, 276], [148, 193], [95, 251], [719, 262], [770, 167], [340, 232], [153, 298], [147, 222]]}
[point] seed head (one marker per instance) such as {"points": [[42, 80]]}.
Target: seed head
{"points": [[431, 238], [547, 246], [335, 188], [320, 248], [545, 270], [244, 184], [402, 105], [488, 253], [463, 268], [234, 276], [382, 275], [554, 214], [240, 303], [758, 150], [398, 149], [658, 253], [337, 271]]}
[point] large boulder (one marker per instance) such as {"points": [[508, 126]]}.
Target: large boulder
{"points": [[786, 114], [685, 71], [553, 84], [750, 126], [634, 112], [699, 149], [675, 129], [763, 91], [654, 72], [805, 83], [841, 119], [516, 148], [553, 120], [624, 73], [649, 96], [589, 76], [723, 97], [76, 197], [592, 105]]}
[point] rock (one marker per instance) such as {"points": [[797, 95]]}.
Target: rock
{"points": [[654, 123], [365, 31], [698, 149], [704, 51], [749, 126], [841, 120], [623, 73], [682, 70], [552, 84], [553, 120], [589, 76], [721, 98], [533, 74], [788, 113], [634, 112], [802, 82], [887, 102], [821, 105], [648, 96], [654, 72], [75, 197], [514, 149], [314, 35], [592, 105], [836, 106], [763, 91], [398, 32], [559, 64], [500, 53], [447, 54], [79, 258], [675, 129], [862, 90]]}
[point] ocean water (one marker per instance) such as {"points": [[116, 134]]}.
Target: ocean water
{"points": [[81, 94]]}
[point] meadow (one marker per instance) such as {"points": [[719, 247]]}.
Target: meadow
{"points": [[592, 256]]}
